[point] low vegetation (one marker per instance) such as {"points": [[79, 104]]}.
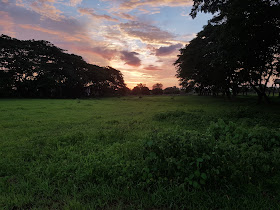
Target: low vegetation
{"points": [[153, 152]]}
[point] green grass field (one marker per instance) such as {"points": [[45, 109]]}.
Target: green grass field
{"points": [[122, 153]]}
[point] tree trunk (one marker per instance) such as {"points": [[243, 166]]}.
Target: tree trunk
{"points": [[261, 95], [228, 94]]}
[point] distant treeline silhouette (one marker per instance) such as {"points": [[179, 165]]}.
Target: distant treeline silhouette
{"points": [[40, 69], [157, 89]]}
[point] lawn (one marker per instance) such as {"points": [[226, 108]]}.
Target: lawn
{"points": [[154, 152]]}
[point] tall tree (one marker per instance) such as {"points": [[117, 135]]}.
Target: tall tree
{"points": [[157, 89], [202, 63], [248, 44]]}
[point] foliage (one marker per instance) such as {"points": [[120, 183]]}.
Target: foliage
{"points": [[246, 155], [171, 90], [157, 89], [228, 155], [40, 69], [200, 65], [140, 89], [225, 55], [176, 158]]}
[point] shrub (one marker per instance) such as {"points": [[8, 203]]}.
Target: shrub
{"points": [[176, 157], [251, 155], [228, 155], [268, 139]]}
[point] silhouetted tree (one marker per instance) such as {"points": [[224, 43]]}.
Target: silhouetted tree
{"points": [[40, 69], [171, 90], [202, 64], [145, 91], [240, 45], [157, 89], [140, 89], [188, 86]]}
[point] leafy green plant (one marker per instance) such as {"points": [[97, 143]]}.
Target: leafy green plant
{"points": [[230, 154], [249, 155], [197, 178], [176, 158]]}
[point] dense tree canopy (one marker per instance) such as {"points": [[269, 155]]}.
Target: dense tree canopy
{"points": [[157, 89], [40, 69], [171, 90], [239, 46], [140, 89]]}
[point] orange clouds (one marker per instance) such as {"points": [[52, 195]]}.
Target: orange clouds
{"points": [[136, 4], [45, 8], [63, 35], [124, 38], [91, 13]]}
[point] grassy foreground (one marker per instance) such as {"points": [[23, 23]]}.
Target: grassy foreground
{"points": [[139, 153]]}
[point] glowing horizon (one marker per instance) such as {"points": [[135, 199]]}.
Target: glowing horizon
{"points": [[141, 38]]}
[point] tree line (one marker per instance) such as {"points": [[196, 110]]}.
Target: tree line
{"points": [[157, 89], [39, 69], [32, 68], [239, 47]]}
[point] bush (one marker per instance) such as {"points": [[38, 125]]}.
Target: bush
{"points": [[268, 139], [250, 155], [228, 155], [177, 157]]}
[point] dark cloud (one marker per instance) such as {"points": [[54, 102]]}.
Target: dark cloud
{"points": [[130, 58], [163, 51]]}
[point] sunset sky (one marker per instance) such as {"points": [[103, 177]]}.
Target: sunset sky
{"points": [[141, 38]]}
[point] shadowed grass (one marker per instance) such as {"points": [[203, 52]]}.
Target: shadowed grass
{"points": [[90, 154]]}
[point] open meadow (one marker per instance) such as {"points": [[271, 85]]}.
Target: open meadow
{"points": [[154, 152]]}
